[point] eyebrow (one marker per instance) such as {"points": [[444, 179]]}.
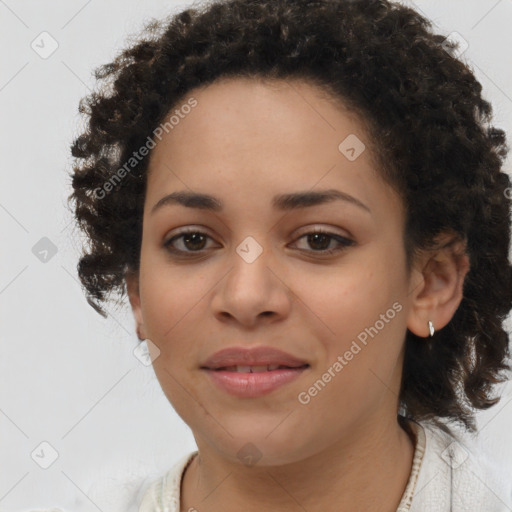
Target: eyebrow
{"points": [[283, 202]]}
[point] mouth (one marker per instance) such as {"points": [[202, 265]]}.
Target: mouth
{"points": [[254, 381], [257, 368]]}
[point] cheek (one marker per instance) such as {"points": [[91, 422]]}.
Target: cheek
{"points": [[169, 297], [358, 313], [346, 298]]}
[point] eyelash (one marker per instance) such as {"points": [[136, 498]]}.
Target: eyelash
{"points": [[344, 242]]}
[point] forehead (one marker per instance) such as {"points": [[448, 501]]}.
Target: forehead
{"points": [[261, 138], [267, 112]]}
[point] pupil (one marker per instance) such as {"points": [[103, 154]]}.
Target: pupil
{"points": [[194, 237], [314, 238]]}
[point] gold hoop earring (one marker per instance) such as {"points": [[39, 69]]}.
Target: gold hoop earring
{"points": [[431, 328]]}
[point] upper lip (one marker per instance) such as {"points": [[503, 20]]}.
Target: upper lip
{"points": [[259, 356]]}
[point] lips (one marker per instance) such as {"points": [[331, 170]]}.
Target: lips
{"points": [[257, 369], [254, 360]]}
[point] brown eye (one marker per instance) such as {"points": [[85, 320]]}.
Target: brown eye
{"points": [[191, 241], [320, 241]]}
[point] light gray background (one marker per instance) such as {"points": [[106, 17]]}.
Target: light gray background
{"points": [[69, 377]]}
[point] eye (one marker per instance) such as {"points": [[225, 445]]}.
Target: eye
{"points": [[194, 241], [320, 240]]}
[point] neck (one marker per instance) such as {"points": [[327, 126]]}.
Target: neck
{"points": [[370, 469]]}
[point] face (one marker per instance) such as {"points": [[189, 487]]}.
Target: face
{"points": [[255, 274]]}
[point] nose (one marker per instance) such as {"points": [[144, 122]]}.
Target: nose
{"points": [[253, 292]]}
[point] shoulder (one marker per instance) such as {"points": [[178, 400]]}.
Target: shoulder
{"points": [[163, 494], [457, 476]]}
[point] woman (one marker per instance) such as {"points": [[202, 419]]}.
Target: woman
{"points": [[304, 203]]}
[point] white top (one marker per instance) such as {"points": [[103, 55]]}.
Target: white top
{"points": [[447, 476]]}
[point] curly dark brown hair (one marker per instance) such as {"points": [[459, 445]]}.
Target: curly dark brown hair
{"points": [[430, 133]]}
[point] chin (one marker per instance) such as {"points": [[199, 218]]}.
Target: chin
{"points": [[252, 446]]}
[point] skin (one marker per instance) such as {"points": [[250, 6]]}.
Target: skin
{"points": [[246, 141]]}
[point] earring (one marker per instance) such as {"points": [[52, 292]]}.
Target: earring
{"points": [[431, 328]]}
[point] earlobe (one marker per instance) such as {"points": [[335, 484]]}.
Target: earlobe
{"points": [[132, 287], [439, 292]]}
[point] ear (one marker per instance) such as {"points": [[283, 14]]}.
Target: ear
{"points": [[132, 287], [437, 285]]}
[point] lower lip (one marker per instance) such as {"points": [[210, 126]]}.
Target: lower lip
{"points": [[250, 385]]}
